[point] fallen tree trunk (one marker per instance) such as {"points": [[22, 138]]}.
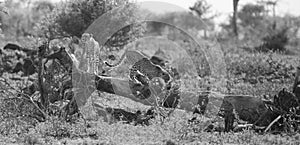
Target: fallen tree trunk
{"points": [[189, 101], [86, 84], [245, 108]]}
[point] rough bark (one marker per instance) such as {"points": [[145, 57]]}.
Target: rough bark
{"points": [[89, 83], [44, 96], [234, 18]]}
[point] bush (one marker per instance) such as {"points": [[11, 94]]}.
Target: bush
{"points": [[275, 41], [72, 18], [79, 14]]}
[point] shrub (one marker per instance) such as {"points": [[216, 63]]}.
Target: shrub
{"points": [[275, 41], [72, 18]]}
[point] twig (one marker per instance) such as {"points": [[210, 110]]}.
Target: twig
{"points": [[271, 124], [26, 97], [244, 125], [36, 106], [44, 97]]}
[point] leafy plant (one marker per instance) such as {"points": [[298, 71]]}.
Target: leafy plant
{"points": [[275, 41], [72, 18], [256, 68]]}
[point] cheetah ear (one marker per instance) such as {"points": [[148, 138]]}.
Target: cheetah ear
{"points": [[91, 35]]}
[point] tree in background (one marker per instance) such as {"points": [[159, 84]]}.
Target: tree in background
{"points": [[261, 30], [256, 22], [251, 15], [72, 18], [251, 18], [203, 11], [233, 26], [293, 23], [4, 10], [23, 17], [273, 4], [234, 17]]}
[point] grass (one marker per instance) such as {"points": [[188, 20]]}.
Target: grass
{"points": [[244, 69], [174, 131]]}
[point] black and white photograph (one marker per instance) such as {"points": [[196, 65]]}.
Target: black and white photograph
{"points": [[149, 72]]}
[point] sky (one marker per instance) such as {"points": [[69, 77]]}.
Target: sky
{"points": [[226, 6], [221, 7]]}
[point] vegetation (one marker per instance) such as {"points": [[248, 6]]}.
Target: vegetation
{"points": [[37, 100]]}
